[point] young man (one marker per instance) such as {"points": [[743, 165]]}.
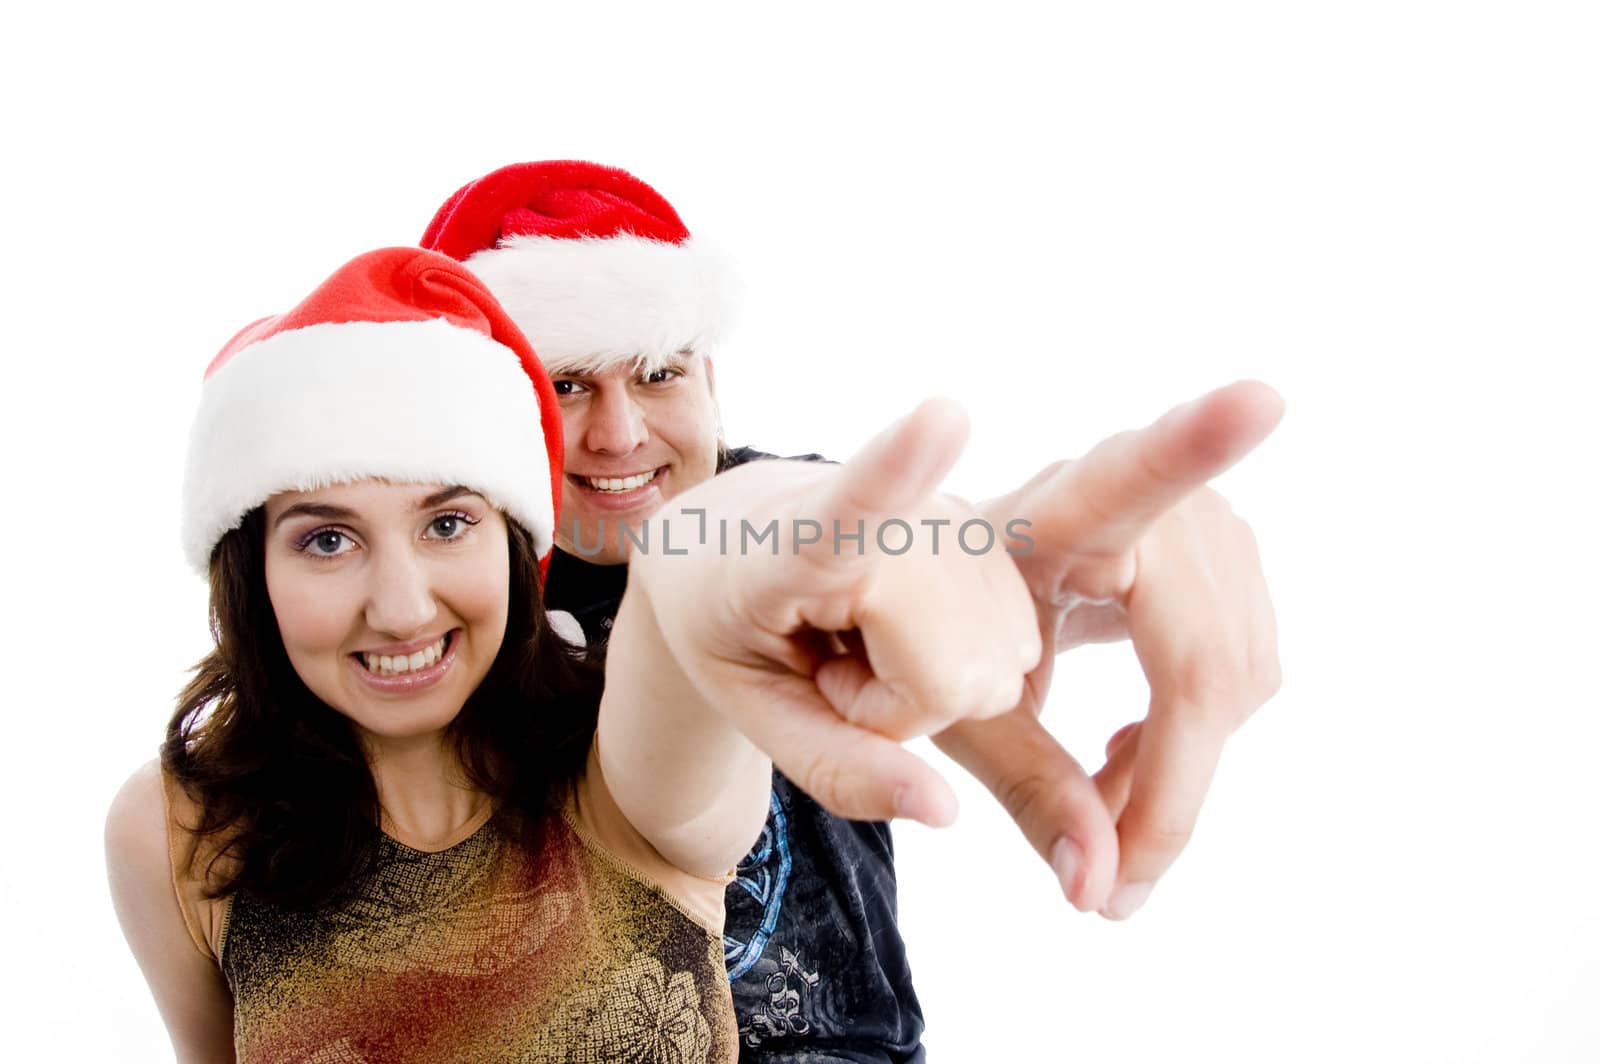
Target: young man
{"points": [[625, 308]]}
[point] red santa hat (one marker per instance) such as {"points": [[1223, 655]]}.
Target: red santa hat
{"points": [[401, 366], [592, 263]]}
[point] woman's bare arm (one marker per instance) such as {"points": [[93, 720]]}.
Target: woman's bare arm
{"points": [[187, 985]]}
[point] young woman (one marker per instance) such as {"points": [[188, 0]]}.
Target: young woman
{"points": [[393, 818]]}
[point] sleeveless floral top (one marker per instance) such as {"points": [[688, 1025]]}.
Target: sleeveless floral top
{"points": [[482, 952]]}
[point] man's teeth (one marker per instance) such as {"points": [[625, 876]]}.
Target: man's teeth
{"points": [[638, 480], [387, 665]]}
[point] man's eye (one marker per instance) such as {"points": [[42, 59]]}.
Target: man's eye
{"points": [[565, 387], [661, 376]]}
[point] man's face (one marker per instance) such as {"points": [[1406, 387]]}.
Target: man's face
{"points": [[633, 441]]}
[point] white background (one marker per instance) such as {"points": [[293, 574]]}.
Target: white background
{"points": [[1069, 221]]}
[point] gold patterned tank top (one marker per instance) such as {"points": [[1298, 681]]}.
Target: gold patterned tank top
{"points": [[484, 951]]}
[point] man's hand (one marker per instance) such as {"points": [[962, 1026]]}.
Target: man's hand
{"points": [[1128, 543], [826, 655]]}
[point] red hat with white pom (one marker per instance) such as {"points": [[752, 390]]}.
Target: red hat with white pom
{"points": [[400, 366], [593, 264]]}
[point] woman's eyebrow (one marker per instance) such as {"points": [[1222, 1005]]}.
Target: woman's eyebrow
{"points": [[314, 509], [439, 498], [329, 512]]}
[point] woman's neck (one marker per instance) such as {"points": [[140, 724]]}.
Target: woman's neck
{"points": [[423, 793]]}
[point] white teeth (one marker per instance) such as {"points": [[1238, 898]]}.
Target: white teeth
{"points": [[638, 480], [396, 665]]}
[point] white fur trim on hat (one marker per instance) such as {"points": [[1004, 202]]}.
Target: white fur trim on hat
{"points": [[415, 402], [593, 303], [567, 627]]}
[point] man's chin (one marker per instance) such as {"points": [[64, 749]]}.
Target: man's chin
{"points": [[607, 530]]}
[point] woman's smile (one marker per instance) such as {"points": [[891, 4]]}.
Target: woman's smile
{"points": [[408, 668]]}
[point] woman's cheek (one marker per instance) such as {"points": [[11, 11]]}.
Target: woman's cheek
{"points": [[311, 619]]}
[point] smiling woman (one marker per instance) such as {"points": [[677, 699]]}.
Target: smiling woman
{"points": [[394, 817], [390, 598], [383, 838]]}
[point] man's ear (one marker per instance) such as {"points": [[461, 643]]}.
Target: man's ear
{"points": [[711, 377]]}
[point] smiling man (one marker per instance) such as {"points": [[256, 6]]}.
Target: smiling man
{"points": [[625, 308], [635, 438]]}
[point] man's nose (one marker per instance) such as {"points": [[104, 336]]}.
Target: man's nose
{"points": [[615, 424]]}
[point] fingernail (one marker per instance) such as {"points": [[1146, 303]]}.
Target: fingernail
{"points": [[1127, 900], [1066, 859]]}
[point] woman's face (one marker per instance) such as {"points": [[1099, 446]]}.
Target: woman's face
{"points": [[391, 598]]}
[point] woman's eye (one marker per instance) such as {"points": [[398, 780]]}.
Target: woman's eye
{"points": [[661, 376], [564, 388], [450, 526], [326, 542]]}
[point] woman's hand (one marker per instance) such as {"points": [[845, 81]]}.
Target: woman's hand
{"points": [[830, 612]]}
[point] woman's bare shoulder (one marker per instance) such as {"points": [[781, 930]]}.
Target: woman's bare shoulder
{"points": [[153, 852], [136, 826]]}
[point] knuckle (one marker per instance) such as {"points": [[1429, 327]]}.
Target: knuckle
{"points": [[1167, 838], [1028, 797], [999, 692], [1005, 694], [823, 777], [1218, 696], [1227, 674], [894, 714], [1146, 463], [1164, 834], [958, 691]]}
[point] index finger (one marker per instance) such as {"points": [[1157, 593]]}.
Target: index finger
{"points": [[894, 472], [1110, 496]]}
